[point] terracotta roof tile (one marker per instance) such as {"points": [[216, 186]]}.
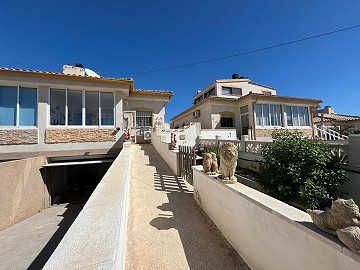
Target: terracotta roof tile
{"points": [[154, 91], [57, 73], [335, 117]]}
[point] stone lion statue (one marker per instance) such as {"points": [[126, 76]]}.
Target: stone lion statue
{"points": [[214, 163], [228, 162], [207, 163], [342, 220], [210, 165]]}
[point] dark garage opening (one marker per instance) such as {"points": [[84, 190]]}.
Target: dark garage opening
{"points": [[73, 181]]}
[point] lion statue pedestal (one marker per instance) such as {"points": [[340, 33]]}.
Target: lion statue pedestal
{"points": [[228, 162]]}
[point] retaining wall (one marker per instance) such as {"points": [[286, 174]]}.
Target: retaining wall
{"points": [[23, 191]]}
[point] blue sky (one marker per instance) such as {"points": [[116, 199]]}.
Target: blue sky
{"points": [[122, 38]]}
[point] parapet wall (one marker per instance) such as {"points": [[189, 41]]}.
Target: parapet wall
{"points": [[170, 156], [23, 191], [269, 234], [97, 238]]}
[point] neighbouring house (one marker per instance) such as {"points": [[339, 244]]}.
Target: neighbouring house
{"points": [[252, 109], [75, 112], [328, 118], [60, 132]]}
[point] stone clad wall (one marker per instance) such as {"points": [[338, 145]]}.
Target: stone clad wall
{"points": [[79, 135], [18, 136], [267, 132]]}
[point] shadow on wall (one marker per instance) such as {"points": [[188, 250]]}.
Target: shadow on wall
{"points": [[203, 244], [69, 216], [118, 145]]}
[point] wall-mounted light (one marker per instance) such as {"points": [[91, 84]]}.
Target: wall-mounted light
{"points": [[126, 102]]}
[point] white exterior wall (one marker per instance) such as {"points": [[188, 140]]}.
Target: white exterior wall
{"points": [[204, 119], [353, 186], [148, 103], [170, 156], [221, 109], [245, 86], [269, 234]]}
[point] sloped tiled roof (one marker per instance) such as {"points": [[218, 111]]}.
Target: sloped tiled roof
{"points": [[59, 74], [150, 91], [328, 117]]}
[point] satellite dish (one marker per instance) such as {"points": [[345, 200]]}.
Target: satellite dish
{"points": [[90, 73]]}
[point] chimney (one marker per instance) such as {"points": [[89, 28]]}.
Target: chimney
{"points": [[329, 110], [71, 70], [235, 76]]}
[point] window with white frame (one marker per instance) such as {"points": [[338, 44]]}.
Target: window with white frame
{"points": [[297, 116], [143, 119], [81, 108], [18, 106], [268, 115]]}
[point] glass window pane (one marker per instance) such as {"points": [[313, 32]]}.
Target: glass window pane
{"points": [[107, 108], [258, 115], [74, 101], [295, 115], [289, 116], [236, 91], [92, 108], [227, 121], [8, 101], [266, 115], [302, 116], [244, 109], [226, 91], [57, 106], [28, 106], [275, 115], [306, 115]]}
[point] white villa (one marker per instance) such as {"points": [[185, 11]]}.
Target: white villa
{"points": [[250, 108]]}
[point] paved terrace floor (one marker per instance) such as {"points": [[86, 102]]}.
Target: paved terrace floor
{"points": [[167, 229]]}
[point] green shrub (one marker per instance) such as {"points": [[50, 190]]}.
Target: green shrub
{"points": [[302, 168]]}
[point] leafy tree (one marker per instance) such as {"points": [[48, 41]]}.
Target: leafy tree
{"points": [[300, 167]]}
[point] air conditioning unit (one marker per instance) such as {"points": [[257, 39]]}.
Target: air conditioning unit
{"points": [[196, 113], [147, 135]]}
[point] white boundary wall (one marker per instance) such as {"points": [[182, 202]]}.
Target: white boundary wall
{"points": [[97, 238], [269, 234], [170, 156]]}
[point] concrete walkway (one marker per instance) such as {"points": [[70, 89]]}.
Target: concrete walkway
{"points": [[29, 244], [167, 229]]}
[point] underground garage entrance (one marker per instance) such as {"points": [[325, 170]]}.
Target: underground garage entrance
{"points": [[72, 180]]}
